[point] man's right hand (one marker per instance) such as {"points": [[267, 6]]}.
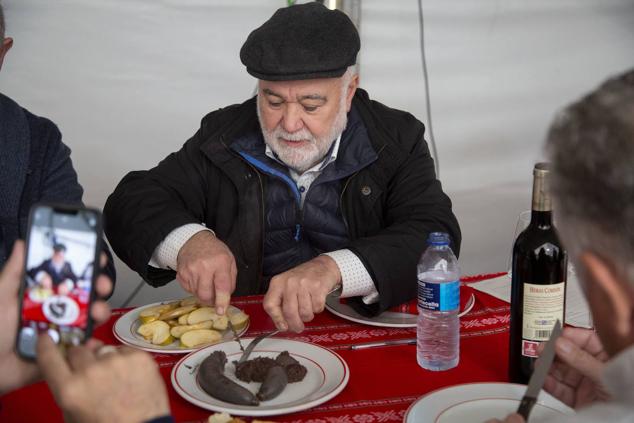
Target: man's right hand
{"points": [[207, 269], [575, 376]]}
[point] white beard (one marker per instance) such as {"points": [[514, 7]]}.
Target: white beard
{"points": [[300, 159]]}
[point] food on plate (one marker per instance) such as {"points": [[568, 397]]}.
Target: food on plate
{"points": [[201, 314], [256, 369], [274, 374], [183, 319], [151, 314], [211, 378], [179, 330], [227, 418], [274, 383], [177, 312], [239, 320], [38, 294], [187, 320], [157, 332], [224, 418], [198, 337]]}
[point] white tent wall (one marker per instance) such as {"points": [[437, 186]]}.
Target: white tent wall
{"points": [[127, 81]]}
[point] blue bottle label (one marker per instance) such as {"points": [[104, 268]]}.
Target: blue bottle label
{"points": [[439, 296]]}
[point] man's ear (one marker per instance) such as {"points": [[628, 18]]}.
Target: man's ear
{"points": [[4, 48], [352, 88], [615, 292]]}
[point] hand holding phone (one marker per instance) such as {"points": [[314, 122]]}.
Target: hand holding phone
{"points": [[62, 263]]}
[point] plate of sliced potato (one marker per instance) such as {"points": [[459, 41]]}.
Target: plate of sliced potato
{"points": [[178, 326]]}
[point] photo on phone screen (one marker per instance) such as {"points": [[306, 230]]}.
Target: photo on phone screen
{"points": [[61, 261]]}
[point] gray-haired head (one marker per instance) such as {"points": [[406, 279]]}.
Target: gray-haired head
{"points": [[591, 146]]}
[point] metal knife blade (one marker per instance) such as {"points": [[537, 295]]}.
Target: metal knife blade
{"points": [[538, 377], [235, 336]]}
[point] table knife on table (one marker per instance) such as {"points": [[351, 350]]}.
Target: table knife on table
{"points": [[539, 374]]}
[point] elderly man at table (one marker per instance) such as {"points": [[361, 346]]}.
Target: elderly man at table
{"points": [[35, 166], [306, 186], [96, 384], [55, 272], [591, 145]]}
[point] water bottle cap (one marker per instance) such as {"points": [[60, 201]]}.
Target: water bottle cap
{"points": [[438, 238]]}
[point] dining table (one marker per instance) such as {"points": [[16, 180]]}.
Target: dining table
{"points": [[383, 381]]}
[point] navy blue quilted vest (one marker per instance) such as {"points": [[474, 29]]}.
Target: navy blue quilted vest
{"points": [[293, 234]]}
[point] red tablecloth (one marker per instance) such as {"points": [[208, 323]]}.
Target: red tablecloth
{"points": [[384, 381]]}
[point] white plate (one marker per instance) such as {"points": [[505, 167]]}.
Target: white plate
{"points": [[125, 331], [389, 319], [478, 402], [327, 374]]}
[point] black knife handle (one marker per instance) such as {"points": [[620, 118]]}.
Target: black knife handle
{"points": [[526, 405]]}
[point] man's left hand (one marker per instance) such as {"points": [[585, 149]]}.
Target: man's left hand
{"points": [[295, 296]]}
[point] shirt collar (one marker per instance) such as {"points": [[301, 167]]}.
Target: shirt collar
{"points": [[331, 156]]}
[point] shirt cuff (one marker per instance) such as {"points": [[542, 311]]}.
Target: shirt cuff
{"points": [[166, 253], [355, 279]]}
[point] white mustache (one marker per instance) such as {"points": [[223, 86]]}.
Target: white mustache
{"points": [[302, 134]]}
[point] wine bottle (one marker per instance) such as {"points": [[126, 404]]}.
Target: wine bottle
{"points": [[538, 291]]}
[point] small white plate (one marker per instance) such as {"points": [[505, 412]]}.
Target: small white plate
{"points": [[478, 402], [389, 319], [125, 331], [327, 374]]}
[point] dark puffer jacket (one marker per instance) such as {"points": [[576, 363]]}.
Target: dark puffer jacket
{"points": [[389, 206]]}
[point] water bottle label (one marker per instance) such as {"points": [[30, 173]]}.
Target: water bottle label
{"points": [[439, 296]]}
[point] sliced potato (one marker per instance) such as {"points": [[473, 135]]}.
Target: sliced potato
{"points": [[221, 323], [172, 323], [152, 313], [178, 331], [177, 312], [189, 301], [239, 320], [201, 314], [157, 332], [183, 319], [195, 338], [167, 341]]}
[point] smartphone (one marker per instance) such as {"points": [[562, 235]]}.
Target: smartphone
{"points": [[62, 263]]}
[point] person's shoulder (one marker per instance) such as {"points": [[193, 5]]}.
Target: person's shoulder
{"points": [[389, 114], [8, 104], [36, 123], [41, 127], [398, 125]]}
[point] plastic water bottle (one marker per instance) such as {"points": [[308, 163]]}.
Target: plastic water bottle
{"points": [[438, 333]]}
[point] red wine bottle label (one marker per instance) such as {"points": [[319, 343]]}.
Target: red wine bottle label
{"points": [[543, 305]]}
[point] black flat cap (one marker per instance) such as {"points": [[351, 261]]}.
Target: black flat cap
{"points": [[304, 41]]}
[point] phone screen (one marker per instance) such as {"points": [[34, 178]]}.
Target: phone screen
{"points": [[61, 258]]}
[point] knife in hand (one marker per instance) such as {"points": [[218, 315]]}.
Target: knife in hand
{"points": [[539, 374]]}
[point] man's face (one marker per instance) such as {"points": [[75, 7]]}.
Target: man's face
{"points": [[58, 257], [301, 119]]}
